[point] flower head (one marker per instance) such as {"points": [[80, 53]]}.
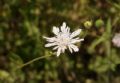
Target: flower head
{"points": [[63, 39], [116, 40]]}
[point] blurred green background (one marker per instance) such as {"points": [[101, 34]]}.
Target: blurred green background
{"points": [[23, 23]]}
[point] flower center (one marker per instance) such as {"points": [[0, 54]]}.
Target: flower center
{"points": [[63, 40]]}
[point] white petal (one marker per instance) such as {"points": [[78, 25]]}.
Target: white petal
{"points": [[63, 49], [55, 30], [75, 48], [75, 33], [50, 44], [67, 30], [51, 39], [55, 47], [76, 40], [45, 37], [63, 27], [58, 51], [70, 49]]}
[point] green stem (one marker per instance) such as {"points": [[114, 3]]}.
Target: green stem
{"points": [[95, 43], [108, 47], [29, 62]]}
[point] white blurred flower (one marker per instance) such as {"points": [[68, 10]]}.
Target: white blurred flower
{"points": [[63, 39], [116, 40]]}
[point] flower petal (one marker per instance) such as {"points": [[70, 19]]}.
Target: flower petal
{"points": [[63, 49], [55, 47], [75, 33], [63, 27], [70, 49], [75, 48], [55, 30], [50, 39], [50, 44], [67, 30], [58, 51], [76, 40]]}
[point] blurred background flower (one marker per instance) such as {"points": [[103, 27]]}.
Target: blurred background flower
{"points": [[116, 40]]}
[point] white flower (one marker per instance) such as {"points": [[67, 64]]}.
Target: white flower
{"points": [[63, 39], [116, 40]]}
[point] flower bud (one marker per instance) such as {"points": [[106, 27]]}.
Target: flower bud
{"points": [[99, 23], [88, 24]]}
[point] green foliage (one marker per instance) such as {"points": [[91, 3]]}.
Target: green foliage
{"points": [[23, 23]]}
